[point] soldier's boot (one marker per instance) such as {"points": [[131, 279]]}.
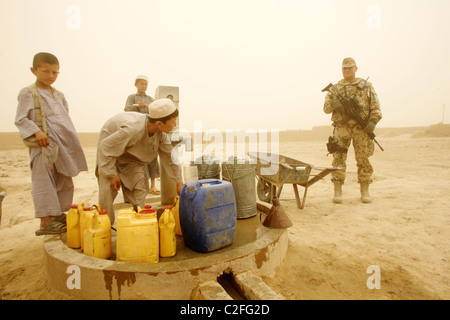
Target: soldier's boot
{"points": [[337, 192], [365, 197]]}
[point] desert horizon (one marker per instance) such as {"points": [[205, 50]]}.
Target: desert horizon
{"points": [[12, 140]]}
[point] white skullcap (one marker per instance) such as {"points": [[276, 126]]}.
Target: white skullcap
{"points": [[141, 77], [161, 108]]}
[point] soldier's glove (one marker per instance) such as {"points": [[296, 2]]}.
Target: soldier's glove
{"points": [[337, 106], [369, 127]]}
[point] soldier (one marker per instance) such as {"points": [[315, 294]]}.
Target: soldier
{"points": [[347, 129]]}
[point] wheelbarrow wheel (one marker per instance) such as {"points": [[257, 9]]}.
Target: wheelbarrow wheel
{"points": [[263, 190]]}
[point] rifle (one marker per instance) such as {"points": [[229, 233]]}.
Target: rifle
{"points": [[351, 108]]}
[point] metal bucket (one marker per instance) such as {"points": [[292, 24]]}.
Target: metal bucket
{"points": [[208, 167], [242, 177]]}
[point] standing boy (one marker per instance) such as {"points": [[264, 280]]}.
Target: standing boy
{"points": [[127, 143], [139, 102], [57, 155]]}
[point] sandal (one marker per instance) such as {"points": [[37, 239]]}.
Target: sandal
{"points": [[54, 227], [155, 191], [61, 218]]}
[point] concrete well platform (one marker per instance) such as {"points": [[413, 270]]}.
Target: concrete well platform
{"points": [[255, 248]]}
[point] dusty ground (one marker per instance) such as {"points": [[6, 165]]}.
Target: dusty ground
{"points": [[405, 231]]}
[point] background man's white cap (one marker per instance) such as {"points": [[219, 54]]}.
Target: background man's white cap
{"points": [[141, 77], [161, 108]]}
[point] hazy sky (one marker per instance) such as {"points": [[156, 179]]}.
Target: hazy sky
{"points": [[258, 64]]}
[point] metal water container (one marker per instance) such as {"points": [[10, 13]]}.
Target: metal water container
{"points": [[241, 174], [208, 167]]}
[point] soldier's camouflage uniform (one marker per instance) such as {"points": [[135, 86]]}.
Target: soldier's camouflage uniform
{"points": [[346, 131]]}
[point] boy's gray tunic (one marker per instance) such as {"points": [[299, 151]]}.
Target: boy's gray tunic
{"points": [[52, 189], [125, 149]]}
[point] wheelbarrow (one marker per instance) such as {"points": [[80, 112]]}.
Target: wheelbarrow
{"points": [[271, 177]]}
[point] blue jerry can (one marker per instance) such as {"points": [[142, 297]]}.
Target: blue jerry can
{"points": [[208, 215]]}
